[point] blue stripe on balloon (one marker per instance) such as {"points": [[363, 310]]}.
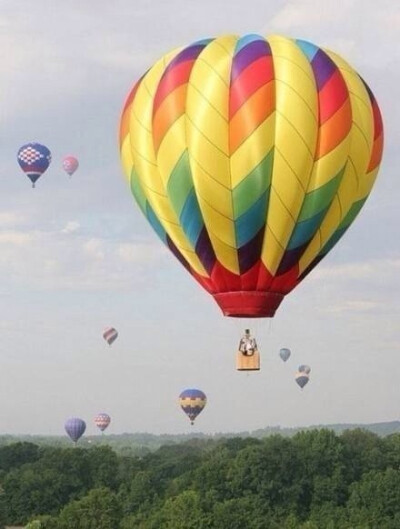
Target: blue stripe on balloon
{"points": [[310, 50], [192, 393], [247, 39], [191, 219], [155, 223], [250, 223], [305, 229]]}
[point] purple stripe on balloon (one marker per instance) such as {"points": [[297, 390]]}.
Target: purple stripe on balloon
{"points": [[188, 54], [177, 254], [247, 55], [323, 68], [250, 253], [205, 251], [290, 258]]}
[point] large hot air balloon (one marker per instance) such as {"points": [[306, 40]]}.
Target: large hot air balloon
{"points": [[302, 379], [192, 402], [285, 353], [70, 164], [34, 159], [110, 335], [75, 428], [250, 158], [102, 420]]}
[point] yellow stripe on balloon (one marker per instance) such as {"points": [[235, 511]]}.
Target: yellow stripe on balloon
{"points": [[354, 185], [126, 157], [146, 164], [327, 167], [295, 143], [253, 150], [171, 149], [207, 113]]}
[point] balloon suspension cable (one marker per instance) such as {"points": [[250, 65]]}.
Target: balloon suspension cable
{"points": [[33, 185]]}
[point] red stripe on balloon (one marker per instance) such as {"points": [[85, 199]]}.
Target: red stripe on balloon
{"points": [[259, 73], [332, 96]]}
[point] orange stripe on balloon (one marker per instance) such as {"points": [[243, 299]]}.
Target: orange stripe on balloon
{"points": [[376, 155], [259, 73], [251, 115], [172, 107], [172, 79], [124, 124], [334, 131]]}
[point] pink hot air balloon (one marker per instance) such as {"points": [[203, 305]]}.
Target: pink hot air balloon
{"points": [[70, 164], [110, 335], [102, 420]]}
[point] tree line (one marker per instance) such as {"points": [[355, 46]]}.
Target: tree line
{"points": [[313, 480]]}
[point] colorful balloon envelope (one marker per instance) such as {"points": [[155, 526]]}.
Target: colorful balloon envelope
{"points": [[75, 428], [102, 421], [110, 335], [304, 369], [285, 353], [302, 379], [70, 164], [250, 158], [34, 159], [192, 402]]}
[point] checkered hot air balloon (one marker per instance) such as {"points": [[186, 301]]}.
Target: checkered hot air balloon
{"points": [[102, 421], [34, 159], [192, 402], [110, 335], [250, 158], [75, 428], [70, 164]]}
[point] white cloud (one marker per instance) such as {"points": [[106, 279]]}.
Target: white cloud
{"points": [[355, 306], [310, 12], [71, 227], [44, 260], [11, 218], [140, 252], [359, 270], [16, 238], [94, 248]]}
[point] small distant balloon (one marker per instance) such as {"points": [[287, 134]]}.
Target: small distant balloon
{"points": [[70, 164], [304, 369], [285, 353], [302, 379], [102, 421], [34, 159], [110, 335], [192, 402], [75, 428]]}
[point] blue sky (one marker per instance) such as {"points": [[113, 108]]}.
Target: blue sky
{"points": [[76, 255]]}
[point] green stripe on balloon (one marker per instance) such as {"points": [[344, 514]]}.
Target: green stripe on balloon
{"points": [[319, 199], [137, 191], [180, 183], [253, 186]]}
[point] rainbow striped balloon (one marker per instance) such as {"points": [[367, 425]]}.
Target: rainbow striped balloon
{"points": [[250, 158]]}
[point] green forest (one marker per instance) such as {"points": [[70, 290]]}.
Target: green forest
{"points": [[312, 480]]}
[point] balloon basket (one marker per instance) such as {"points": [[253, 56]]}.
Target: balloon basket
{"points": [[248, 363]]}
